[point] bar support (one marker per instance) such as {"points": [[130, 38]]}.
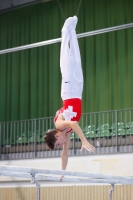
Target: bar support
{"points": [[37, 190], [38, 186], [112, 189], [45, 174], [35, 171]]}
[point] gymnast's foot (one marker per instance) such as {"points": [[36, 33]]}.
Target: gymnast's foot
{"points": [[68, 23], [75, 20]]}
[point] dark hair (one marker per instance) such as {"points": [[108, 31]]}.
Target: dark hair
{"points": [[50, 138]]}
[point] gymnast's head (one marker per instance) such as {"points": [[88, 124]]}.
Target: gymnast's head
{"points": [[54, 138]]}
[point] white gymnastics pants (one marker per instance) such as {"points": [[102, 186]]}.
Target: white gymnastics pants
{"points": [[70, 65]]}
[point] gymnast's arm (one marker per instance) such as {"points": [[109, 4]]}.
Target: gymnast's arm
{"points": [[64, 155], [61, 124]]}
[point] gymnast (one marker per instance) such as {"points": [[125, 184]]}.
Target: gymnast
{"points": [[67, 117]]}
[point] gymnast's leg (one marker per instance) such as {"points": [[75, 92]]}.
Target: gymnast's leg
{"points": [[65, 50], [70, 62], [75, 57], [65, 59]]}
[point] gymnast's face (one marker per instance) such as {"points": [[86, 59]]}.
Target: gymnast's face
{"points": [[61, 139]]}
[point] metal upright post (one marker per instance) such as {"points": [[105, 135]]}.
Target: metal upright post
{"points": [[35, 137], [37, 190], [110, 191], [116, 131], [33, 180], [74, 150], [0, 141]]}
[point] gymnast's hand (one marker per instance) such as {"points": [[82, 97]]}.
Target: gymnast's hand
{"points": [[86, 145], [61, 177]]}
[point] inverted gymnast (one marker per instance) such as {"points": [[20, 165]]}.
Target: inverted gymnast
{"points": [[71, 92]]}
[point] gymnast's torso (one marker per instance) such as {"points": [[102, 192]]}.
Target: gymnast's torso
{"points": [[71, 110]]}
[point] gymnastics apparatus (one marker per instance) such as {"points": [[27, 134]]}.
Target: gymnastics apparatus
{"points": [[38, 44], [38, 174]]}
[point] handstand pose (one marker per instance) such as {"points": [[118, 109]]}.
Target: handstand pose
{"points": [[71, 92]]}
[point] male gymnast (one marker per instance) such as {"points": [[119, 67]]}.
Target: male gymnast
{"points": [[71, 92]]}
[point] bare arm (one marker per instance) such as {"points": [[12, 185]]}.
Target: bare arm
{"points": [[85, 144], [64, 155], [61, 124]]}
